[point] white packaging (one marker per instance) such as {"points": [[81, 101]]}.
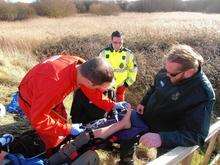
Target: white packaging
{"points": [[2, 110]]}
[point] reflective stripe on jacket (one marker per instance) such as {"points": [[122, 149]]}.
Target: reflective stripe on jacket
{"points": [[123, 63]]}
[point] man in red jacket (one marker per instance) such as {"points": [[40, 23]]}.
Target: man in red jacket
{"points": [[43, 89]]}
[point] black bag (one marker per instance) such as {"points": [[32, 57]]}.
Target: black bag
{"points": [[28, 144]]}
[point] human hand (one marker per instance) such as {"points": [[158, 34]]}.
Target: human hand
{"points": [[76, 129], [119, 106], [111, 94], [140, 109], [151, 140]]}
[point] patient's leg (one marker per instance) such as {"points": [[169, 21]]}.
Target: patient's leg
{"points": [[66, 153], [105, 132]]}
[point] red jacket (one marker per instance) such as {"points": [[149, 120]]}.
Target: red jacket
{"points": [[42, 92]]}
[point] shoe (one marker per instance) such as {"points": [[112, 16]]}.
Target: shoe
{"points": [[126, 161]]}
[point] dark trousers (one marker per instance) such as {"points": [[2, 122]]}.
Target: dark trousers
{"points": [[82, 111], [126, 152]]}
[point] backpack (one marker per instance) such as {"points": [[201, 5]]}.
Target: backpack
{"points": [[28, 144]]}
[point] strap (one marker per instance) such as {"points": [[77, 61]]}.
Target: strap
{"points": [[91, 134]]}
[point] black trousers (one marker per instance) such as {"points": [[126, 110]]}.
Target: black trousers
{"points": [[82, 111], [126, 152]]}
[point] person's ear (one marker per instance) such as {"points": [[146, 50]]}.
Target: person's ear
{"points": [[90, 83], [86, 82], [189, 73]]}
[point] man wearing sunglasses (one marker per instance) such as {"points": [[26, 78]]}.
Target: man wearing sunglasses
{"points": [[178, 107]]}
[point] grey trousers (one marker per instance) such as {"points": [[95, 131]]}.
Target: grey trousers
{"points": [[88, 158]]}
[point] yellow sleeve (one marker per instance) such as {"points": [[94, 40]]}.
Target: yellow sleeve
{"points": [[132, 69]]}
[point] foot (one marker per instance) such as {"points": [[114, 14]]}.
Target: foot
{"points": [[126, 121]]}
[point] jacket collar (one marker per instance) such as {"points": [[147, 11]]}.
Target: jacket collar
{"points": [[198, 75], [112, 49]]}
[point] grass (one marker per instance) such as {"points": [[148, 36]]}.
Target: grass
{"points": [[169, 26], [147, 37], [13, 66], [147, 34]]}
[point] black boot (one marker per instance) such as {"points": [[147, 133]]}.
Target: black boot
{"points": [[126, 152]]}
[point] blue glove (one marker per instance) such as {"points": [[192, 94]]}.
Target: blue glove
{"points": [[119, 106], [76, 129], [6, 139]]}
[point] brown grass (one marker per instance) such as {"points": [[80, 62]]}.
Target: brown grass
{"points": [[147, 27], [13, 67]]}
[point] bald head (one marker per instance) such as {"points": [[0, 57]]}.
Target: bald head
{"points": [[97, 70]]}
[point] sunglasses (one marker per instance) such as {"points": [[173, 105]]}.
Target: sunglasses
{"points": [[173, 74]]}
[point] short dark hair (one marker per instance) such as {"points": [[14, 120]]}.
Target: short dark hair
{"points": [[116, 34], [97, 70]]}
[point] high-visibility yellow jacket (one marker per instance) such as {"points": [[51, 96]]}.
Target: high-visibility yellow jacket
{"points": [[123, 63]]}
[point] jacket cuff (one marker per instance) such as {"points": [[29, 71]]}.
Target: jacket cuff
{"points": [[126, 84], [164, 140], [69, 127], [129, 82], [112, 106]]}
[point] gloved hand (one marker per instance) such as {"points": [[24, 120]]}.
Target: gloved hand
{"points": [[110, 93], [119, 106], [6, 139], [76, 129], [151, 140]]}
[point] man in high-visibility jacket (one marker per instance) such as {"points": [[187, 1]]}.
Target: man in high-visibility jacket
{"points": [[123, 63], [125, 71]]}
